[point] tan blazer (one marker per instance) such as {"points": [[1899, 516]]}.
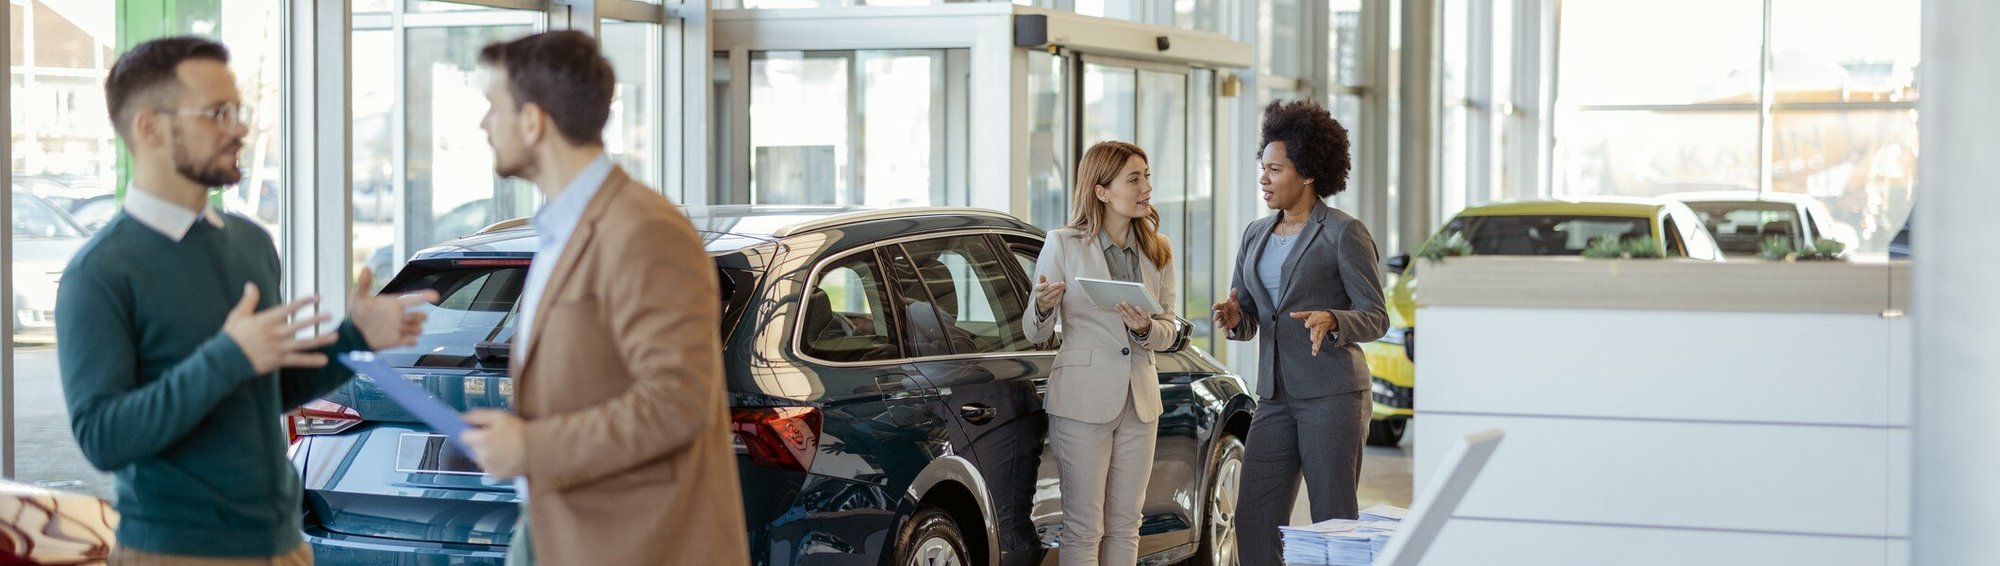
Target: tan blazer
{"points": [[1098, 367], [628, 450]]}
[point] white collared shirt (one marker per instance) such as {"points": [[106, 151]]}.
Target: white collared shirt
{"points": [[169, 219], [553, 225]]}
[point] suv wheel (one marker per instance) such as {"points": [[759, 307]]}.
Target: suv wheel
{"points": [[931, 538], [1218, 536], [1386, 432]]}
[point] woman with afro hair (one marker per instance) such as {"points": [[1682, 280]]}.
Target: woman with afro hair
{"points": [[1307, 287]]}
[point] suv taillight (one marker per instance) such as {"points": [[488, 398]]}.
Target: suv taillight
{"points": [[322, 417], [776, 437]]}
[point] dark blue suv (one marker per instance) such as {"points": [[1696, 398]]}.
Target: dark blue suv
{"points": [[885, 402]]}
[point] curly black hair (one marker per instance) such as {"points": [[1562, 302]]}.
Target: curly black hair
{"points": [[1315, 142]]}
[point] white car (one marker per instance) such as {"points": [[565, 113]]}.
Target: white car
{"points": [[45, 238], [1741, 221]]}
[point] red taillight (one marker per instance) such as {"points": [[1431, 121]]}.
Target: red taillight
{"points": [[776, 437], [321, 417]]}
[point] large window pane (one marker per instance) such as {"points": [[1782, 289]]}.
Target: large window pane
{"points": [[1198, 251], [444, 183], [1643, 52], [1110, 99], [1280, 34], [65, 175], [1862, 164], [632, 137], [900, 110], [798, 128], [848, 128], [1655, 153], [1844, 50], [1048, 140], [1163, 133]]}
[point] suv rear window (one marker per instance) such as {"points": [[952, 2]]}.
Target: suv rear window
{"points": [[479, 302]]}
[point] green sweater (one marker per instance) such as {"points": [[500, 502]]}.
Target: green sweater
{"points": [[160, 396]]}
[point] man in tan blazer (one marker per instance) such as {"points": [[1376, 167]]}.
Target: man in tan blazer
{"points": [[622, 438]]}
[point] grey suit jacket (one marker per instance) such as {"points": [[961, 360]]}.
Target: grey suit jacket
{"points": [[1333, 267], [1098, 366]]}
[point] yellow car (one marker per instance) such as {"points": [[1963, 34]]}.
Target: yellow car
{"points": [[1561, 227]]}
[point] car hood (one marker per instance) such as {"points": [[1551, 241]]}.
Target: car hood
{"points": [[51, 253]]}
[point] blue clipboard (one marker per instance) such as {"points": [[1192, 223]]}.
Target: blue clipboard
{"points": [[434, 413]]}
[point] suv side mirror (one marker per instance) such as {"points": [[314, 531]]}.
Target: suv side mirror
{"points": [[1399, 263]]}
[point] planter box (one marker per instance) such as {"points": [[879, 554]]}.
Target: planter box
{"points": [[1670, 412]]}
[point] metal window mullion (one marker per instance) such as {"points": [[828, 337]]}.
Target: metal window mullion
{"points": [[7, 404], [580, 15], [404, 20], [1531, 117], [399, 129], [690, 103], [1478, 98], [323, 102], [535, 5], [1764, 133], [632, 11], [857, 131], [740, 142]]}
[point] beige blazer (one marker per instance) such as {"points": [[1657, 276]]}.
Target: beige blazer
{"points": [[1099, 365], [628, 448]]}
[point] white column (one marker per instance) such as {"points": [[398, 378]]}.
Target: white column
{"points": [[1956, 307], [319, 149]]}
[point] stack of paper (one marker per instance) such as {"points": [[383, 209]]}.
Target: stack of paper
{"points": [[1384, 513], [1342, 542]]}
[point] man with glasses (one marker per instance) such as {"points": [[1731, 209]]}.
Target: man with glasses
{"points": [[177, 358]]}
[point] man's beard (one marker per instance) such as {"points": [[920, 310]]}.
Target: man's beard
{"points": [[517, 170], [199, 172]]}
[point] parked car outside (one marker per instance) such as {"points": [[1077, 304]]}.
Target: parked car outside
{"points": [[1561, 227], [1741, 221], [859, 440], [45, 238]]}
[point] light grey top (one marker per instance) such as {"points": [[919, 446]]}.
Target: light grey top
{"points": [[1271, 265]]}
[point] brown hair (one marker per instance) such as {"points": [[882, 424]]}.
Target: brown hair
{"points": [[563, 73], [151, 71], [1100, 166]]}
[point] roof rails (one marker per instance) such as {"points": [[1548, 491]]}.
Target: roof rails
{"points": [[885, 213]]}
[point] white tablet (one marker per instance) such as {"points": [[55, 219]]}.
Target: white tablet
{"points": [[1106, 294]]}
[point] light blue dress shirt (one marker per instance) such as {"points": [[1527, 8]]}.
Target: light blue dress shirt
{"points": [[553, 225]]}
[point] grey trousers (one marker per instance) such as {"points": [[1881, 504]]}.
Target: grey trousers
{"points": [[1321, 437], [1103, 468]]}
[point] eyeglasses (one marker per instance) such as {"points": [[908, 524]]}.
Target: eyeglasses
{"points": [[226, 114]]}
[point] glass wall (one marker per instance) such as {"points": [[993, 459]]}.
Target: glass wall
{"points": [[67, 178], [850, 128], [423, 171], [1049, 150], [633, 136], [1642, 111]]}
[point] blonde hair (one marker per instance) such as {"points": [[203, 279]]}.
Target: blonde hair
{"points": [[1100, 166]]}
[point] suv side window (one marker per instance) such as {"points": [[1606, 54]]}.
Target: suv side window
{"points": [[1672, 230], [1027, 252], [976, 300], [845, 319]]}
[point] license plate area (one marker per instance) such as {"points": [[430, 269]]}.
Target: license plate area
{"points": [[433, 454]]}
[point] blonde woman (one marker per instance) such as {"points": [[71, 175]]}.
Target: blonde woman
{"points": [[1104, 395]]}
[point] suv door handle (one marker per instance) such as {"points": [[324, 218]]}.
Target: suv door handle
{"points": [[976, 413]]}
